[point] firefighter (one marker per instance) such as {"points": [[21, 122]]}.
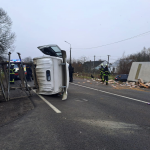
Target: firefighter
{"points": [[12, 74], [29, 73], [106, 74], [102, 72]]}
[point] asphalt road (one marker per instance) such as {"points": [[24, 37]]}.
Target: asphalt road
{"points": [[94, 117]]}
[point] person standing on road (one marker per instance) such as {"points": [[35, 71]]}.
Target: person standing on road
{"points": [[106, 74], [12, 74], [102, 72], [29, 73], [71, 71]]}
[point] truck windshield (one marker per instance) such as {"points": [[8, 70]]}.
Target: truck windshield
{"points": [[51, 50]]}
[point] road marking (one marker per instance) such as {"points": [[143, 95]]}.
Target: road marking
{"points": [[112, 93], [85, 100], [47, 102]]}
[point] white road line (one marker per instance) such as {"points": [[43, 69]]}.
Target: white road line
{"points": [[112, 93], [47, 102]]}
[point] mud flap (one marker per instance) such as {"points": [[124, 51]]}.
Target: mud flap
{"points": [[65, 94]]}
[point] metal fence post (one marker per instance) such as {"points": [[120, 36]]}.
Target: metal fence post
{"points": [[8, 76]]}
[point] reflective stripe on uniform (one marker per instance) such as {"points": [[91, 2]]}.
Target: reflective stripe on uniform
{"points": [[12, 80], [12, 71]]}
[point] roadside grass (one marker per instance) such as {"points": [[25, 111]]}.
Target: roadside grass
{"points": [[88, 76], [111, 77]]}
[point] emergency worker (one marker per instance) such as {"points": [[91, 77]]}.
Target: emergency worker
{"points": [[12, 74], [102, 72], [106, 74], [29, 73]]}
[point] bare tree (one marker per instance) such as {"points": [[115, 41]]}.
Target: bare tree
{"points": [[6, 36], [72, 61], [124, 66], [28, 59], [83, 59], [126, 61], [78, 66]]}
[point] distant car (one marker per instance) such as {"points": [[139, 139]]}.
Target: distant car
{"points": [[121, 77]]}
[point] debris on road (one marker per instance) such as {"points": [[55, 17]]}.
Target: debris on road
{"points": [[119, 85], [140, 81], [139, 84]]}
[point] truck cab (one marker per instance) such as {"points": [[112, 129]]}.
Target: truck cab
{"points": [[52, 71]]}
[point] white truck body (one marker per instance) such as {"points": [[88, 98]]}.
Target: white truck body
{"points": [[52, 74]]}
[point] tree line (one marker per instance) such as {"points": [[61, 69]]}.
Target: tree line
{"points": [[126, 61], [124, 64]]}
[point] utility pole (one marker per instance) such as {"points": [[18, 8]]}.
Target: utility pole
{"points": [[108, 58], [84, 67], [70, 54], [94, 65], [70, 66], [94, 60]]}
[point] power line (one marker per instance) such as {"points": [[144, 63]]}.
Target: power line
{"points": [[117, 41], [103, 56]]}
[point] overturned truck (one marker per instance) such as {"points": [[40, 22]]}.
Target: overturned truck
{"points": [[51, 73]]}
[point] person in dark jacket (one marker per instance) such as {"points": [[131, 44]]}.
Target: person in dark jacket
{"points": [[12, 74], [106, 74], [29, 73], [102, 72], [71, 71]]}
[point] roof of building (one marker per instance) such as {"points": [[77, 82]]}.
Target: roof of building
{"points": [[93, 63]]}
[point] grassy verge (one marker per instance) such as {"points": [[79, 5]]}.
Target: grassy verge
{"points": [[88, 76], [111, 77]]}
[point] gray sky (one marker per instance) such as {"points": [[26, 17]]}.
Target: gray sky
{"points": [[82, 23]]}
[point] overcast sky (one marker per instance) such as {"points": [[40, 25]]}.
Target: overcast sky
{"points": [[83, 23]]}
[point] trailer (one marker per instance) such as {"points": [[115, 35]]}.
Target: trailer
{"points": [[139, 70]]}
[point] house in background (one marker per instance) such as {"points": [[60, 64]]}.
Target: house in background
{"points": [[114, 66], [93, 65]]}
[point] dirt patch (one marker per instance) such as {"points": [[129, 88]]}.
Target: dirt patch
{"points": [[13, 109]]}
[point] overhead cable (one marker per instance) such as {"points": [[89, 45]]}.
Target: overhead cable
{"points": [[117, 41]]}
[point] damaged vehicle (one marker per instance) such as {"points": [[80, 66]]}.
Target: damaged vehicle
{"points": [[51, 71]]}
